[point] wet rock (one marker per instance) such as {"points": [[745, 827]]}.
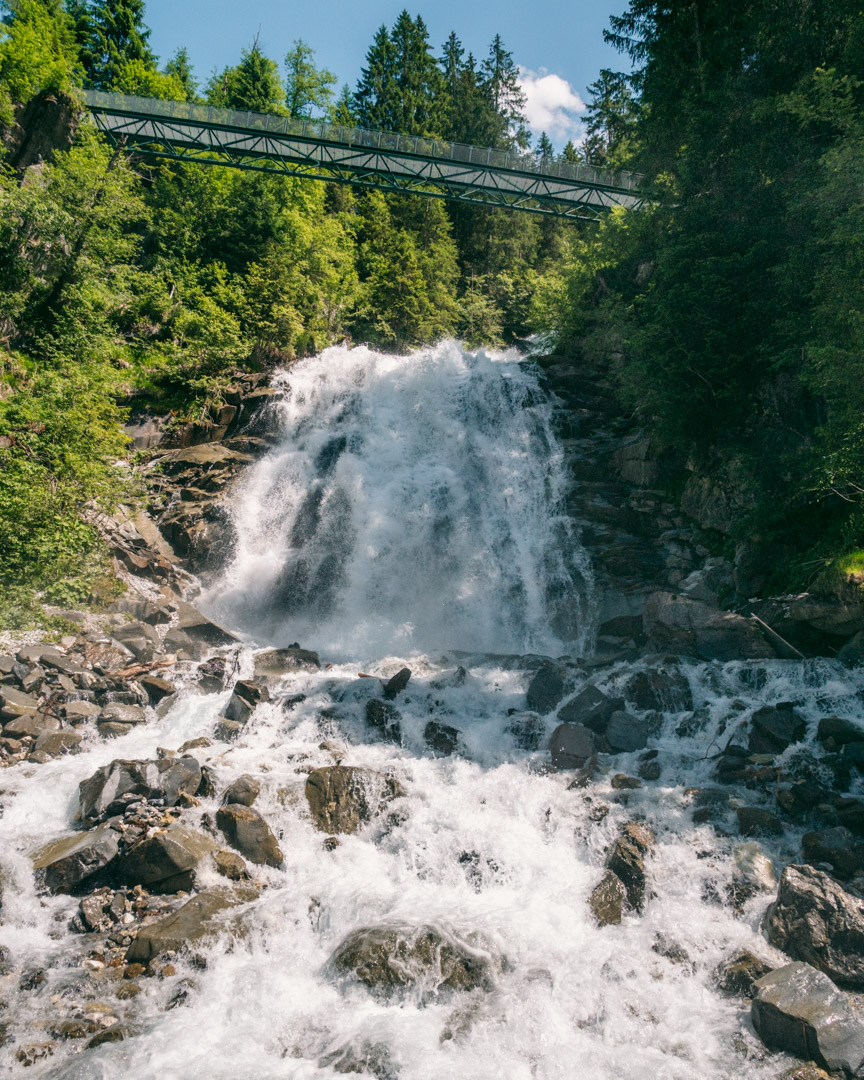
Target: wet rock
{"points": [[693, 628], [571, 746], [441, 738], [753, 821], [157, 688], [226, 730], [590, 708], [815, 920], [194, 921], [527, 730], [248, 695], [165, 778], [546, 689], [835, 732], [660, 689], [626, 733], [248, 832], [838, 848], [283, 661], [738, 976], [116, 1033], [55, 743], [394, 686], [243, 791], [649, 768], [385, 718], [626, 860], [808, 1071], [66, 863], [607, 900], [396, 959], [799, 1010], [623, 782], [371, 1059], [342, 798], [230, 865], [774, 728], [752, 873], [165, 862]]}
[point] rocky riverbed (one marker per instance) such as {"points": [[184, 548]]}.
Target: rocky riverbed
{"points": [[222, 857]]}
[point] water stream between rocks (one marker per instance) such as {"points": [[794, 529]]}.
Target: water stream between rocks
{"points": [[411, 516]]}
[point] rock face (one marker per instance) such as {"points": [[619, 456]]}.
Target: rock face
{"points": [[66, 863], [814, 920], [248, 832], [165, 862], [799, 1010], [694, 628], [342, 798], [546, 689], [571, 745], [396, 959], [165, 778], [194, 921]]}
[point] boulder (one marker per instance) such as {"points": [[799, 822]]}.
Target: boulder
{"points": [[571, 746], [797, 1009], [78, 711], [395, 685], [248, 694], [116, 713], [157, 688], [230, 865], [694, 628], [754, 821], [165, 862], [385, 718], [546, 689], [527, 730], [608, 899], [626, 733], [441, 738], [243, 791], [198, 627], [662, 689], [30, 725], [248, 832], [774, 728], [15, 703], [738, 976], [626, 860], [835, 732], [165, 778], [814, 920], [194, 921], [342, 798], [396, 959], [140, 639], [837, 847], [64, 864], [55, 743], [282, 661], [590, 708]]}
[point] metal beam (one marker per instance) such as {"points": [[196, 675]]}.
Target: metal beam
{"points": [[332, 152]]}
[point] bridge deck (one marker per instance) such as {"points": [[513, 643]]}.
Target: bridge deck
{"points": [[334, 152]]}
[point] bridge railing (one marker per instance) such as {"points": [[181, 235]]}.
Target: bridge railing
{"points": [[322, 131]]}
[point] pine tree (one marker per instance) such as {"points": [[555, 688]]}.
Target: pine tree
{"points": [[253, 84], [544, 152], [611, 119], [376, 89], [343, 111], [307, 87], [508, 127], [180, 66], [113, 34], [571, 154]]}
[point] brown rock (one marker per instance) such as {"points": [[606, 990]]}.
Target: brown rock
{"points": [[245, 829], [343, 798]]}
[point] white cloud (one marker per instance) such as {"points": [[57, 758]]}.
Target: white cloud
{"points": [[553, 105]]}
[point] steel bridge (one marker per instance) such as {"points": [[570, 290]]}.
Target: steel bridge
{"points": [[318, 150]]}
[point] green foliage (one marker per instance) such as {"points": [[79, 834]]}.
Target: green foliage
{"points": [[180, 67], [253, 84], [37, 52], [112, 34], [308, 89], [136, 77]]}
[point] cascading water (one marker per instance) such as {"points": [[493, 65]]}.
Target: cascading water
{"points": [[414, 502], [411, 512]]}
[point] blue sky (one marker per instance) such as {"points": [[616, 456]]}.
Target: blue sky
{"points": [[558, 45]]}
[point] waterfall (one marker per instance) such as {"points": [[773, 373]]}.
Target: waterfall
{"points": [[413, 503]]}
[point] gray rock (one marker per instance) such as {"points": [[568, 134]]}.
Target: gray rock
{"points": [[248, 694], [248, 832], [753, 821], [165, 778], [385, 718], [837, 847], [140, 639], [15, 703], [194, 625], [394, 686], [814, 920], [693, 628], [590, 708], [78, 711], [31, 725], [343, 798], [571, 746], [626, 860], [442, 738], [836, 732], [165, 862], [738, 975], [67, 862], [243, 791], [230, 865], [608, 899], [55, 743], [116, 713], [194, 921], [662, 689], [157, 688], [774, 728], [546, 689], [425, 960], [800, 1011], [626, 733], [282, 661], [226, 730]]}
